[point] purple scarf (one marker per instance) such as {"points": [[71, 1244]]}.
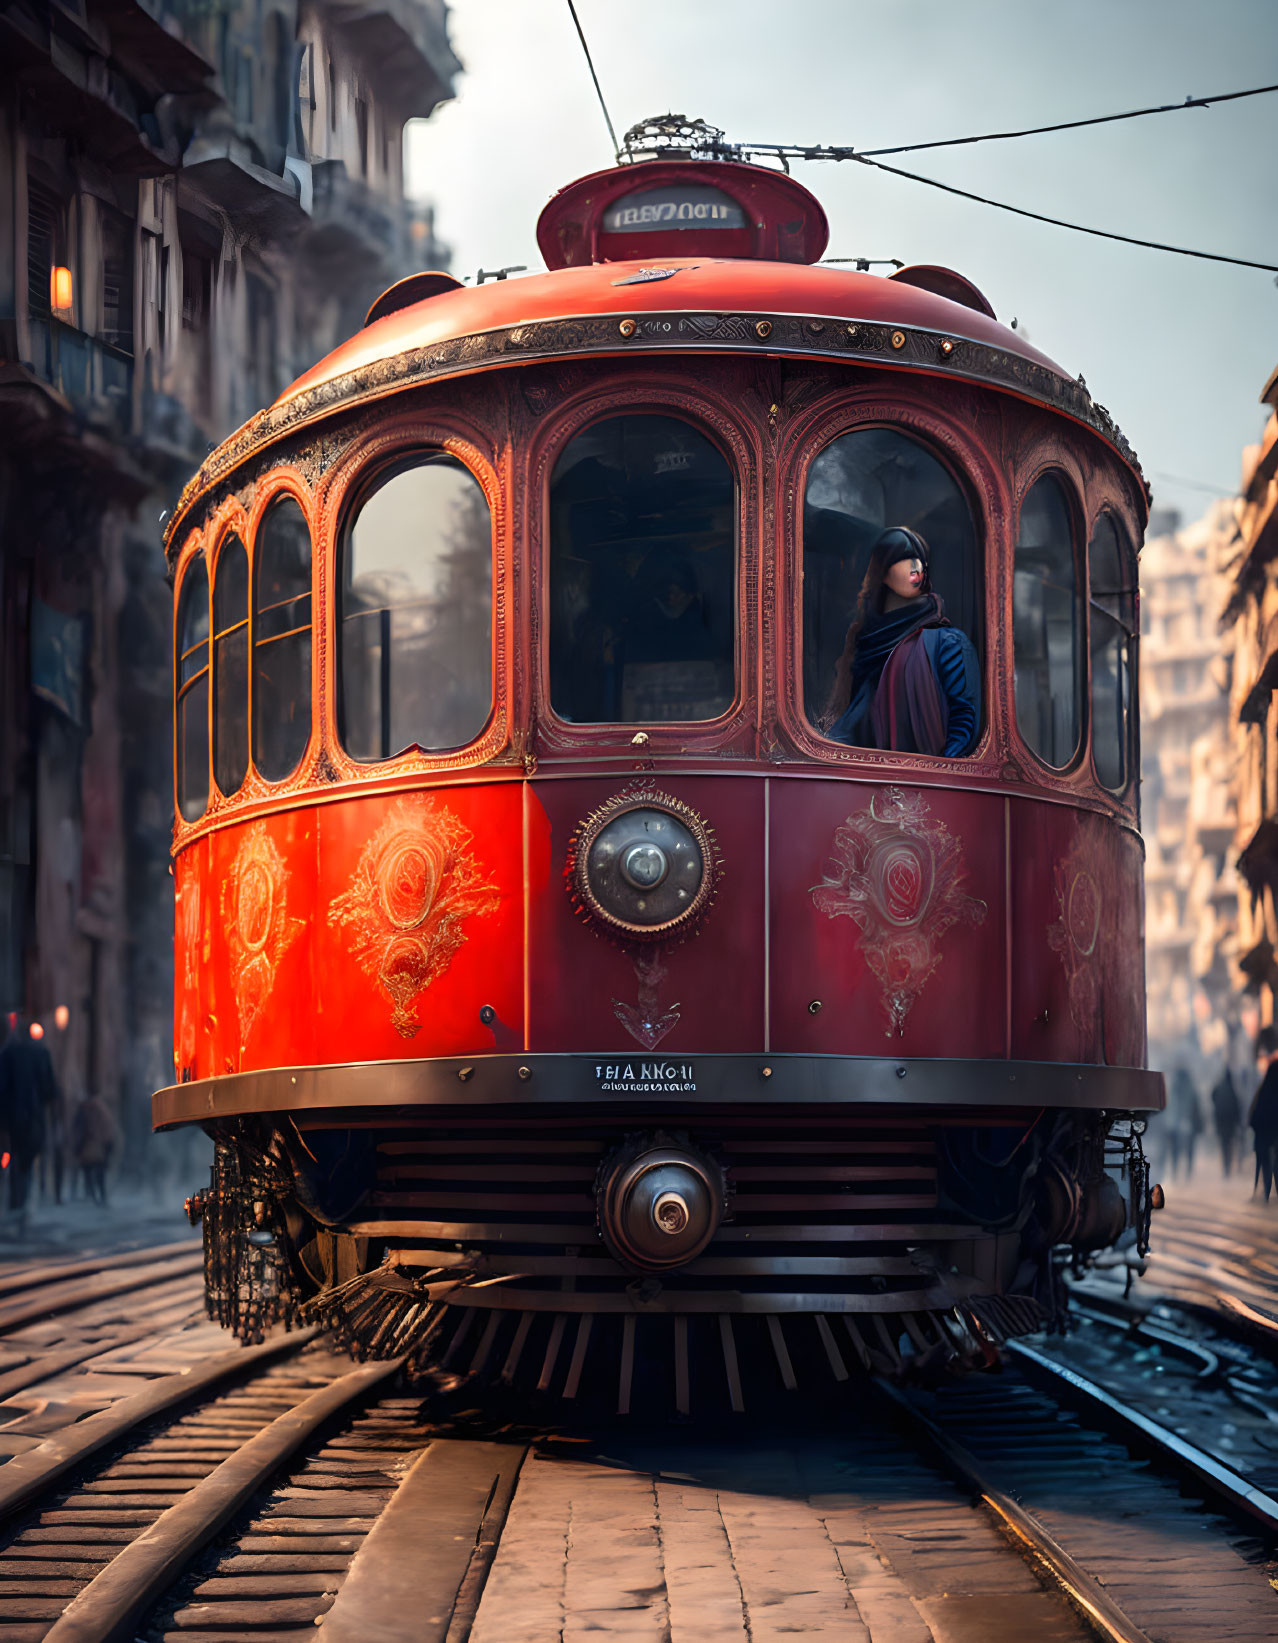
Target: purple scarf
{"points": [[908, 711]]}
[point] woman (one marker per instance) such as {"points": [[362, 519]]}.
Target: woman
{"points": [[907, 680]]}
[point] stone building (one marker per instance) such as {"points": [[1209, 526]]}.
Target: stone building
{"points": [[1253, 613], [198, 199], [1187, 804]]}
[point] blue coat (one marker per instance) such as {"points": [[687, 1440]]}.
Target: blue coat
{"points": [[958, 677]]}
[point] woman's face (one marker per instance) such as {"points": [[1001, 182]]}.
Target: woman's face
{"points": [[905, 578]]}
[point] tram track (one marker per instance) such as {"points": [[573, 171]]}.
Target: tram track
{"points": [[289, 1490], [277, 1491]]}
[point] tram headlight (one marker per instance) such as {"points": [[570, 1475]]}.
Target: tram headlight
{"points": [[659, 1204], [644, 866]]}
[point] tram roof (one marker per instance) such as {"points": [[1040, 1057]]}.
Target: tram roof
{"points": [[917, 320]]}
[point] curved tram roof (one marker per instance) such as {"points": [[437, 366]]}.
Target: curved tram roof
{"points": [[663, 303]]}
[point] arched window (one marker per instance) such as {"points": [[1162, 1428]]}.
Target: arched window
{"points": [[281, 640], [1112, 590], [191, 680], [642, 575], [1046, 627], [860, 484], [230, 666], [415, 607]]}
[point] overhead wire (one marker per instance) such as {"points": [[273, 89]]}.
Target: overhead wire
{"points": [[820, 152], [1060, 222], [590, 64]]}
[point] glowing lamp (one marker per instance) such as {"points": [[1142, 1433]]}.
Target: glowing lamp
{"points": [[61, 1016], [4, 1160], [36, 1031], [60, 288]]}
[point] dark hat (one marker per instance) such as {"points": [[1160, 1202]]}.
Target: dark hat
{"points": [[899, 542]]}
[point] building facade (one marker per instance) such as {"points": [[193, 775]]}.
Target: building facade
{"points": [[1187, 802], [1253, 615], [198, 199]]}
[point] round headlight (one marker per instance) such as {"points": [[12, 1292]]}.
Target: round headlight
{"points": [[643, 865], [659, 1205]]}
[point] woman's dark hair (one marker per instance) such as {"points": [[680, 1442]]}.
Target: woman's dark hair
{"points": [[897, 542]]}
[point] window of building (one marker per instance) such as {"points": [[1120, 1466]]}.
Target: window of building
{"points": [[860, 484], [1112, 589], [191, 679], [642, 575], [281, 640], [415, 609], [230, 666], [44, 244], [117, 279], [1046, 626]]}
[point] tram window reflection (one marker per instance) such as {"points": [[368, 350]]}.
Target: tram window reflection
{"points": [[1112, 593], [1045, 627], [230, 666], [281, 640], [415, 613], [860, 486], [192, 684], [642, 575]]}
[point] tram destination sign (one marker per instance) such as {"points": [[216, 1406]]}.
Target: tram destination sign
{"points": [[681, 205], [646, 1077]]}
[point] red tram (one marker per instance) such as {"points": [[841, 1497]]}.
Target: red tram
{"points": [[558, 995]]}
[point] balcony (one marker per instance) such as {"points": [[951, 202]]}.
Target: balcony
{"points": [[406, 44], [350, 221], [95, 377]]}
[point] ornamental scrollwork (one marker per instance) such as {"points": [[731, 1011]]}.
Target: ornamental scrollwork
{"points": [[897, 873], [415, 887]]}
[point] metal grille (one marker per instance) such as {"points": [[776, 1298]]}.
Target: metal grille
{"points": [[829, 1213]]}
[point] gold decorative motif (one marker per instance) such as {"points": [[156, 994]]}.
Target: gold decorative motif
{"points": [[255, 917], [413, 889], [897, 873]]}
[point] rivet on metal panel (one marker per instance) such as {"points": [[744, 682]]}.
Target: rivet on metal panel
{"points": [[525, 1073], [464, 1073], [901, 1072], [763, 330], [640, 739], [815, 1007], [766, 1071], [627, 327], [898, 339], [947, 345]]}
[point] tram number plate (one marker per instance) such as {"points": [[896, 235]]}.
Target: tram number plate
{"points": [[646, 1077]]}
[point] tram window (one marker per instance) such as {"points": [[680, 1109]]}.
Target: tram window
{"points": [[1045, 627], [415, 608], [642, 575], [860, 484], [1112, 592], [230, 666], [192, 685], [281, 640]]}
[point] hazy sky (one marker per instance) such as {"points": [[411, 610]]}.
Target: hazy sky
{"points": [[1176, 348]]}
